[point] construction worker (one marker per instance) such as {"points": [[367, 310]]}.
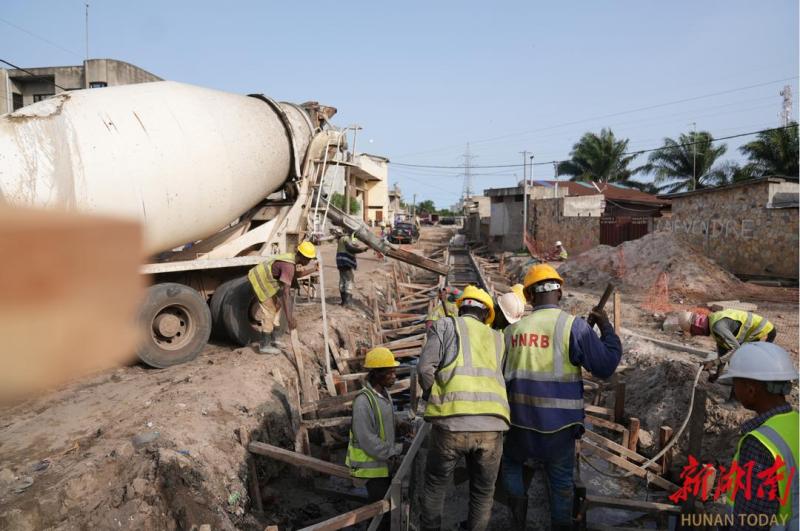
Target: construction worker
{"points": [[512, 307], [272, 281], [545, 352], [346, 264], [761, 374], [447, 308], [729, 328], [372, 443], [460, 371], [560, 253]]}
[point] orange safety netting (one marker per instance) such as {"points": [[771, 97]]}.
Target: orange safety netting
{"points": [[620, 269], [658, 297]]}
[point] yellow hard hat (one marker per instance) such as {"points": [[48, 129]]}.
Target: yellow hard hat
{"points": [[380, 358], [476, 293], [518, 289], [541, 272], [307, 249]]}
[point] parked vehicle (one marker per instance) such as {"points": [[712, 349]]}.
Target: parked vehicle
{"points": [[404, 233]]}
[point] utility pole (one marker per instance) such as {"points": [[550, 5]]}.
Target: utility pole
{"points": [[525, 196], [694, 155], [414, 207], [87, 30], [466, 193], [555, 173], [347, 174], [786, 112]]}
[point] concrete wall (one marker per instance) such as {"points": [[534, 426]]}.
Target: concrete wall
{"points": [[505, 225], [549, 224], [116, 73], [735, 228]]}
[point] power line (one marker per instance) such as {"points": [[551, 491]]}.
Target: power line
{"points": [[32, 74], [619, 113], [32, 34], [635, 152]]}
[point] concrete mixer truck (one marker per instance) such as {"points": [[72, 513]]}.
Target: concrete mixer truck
{"points": [[218, 181]]}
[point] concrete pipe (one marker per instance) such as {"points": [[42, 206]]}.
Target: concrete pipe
{"points": [[183, 160]]}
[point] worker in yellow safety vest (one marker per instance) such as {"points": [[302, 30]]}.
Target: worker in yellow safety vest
{"points": [[761, 374], [272, 281], [729, 328], [372, 441], [460, 372], [545, 354], [560, 253], [447, 309]]}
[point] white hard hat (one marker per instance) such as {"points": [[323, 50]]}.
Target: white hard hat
{"points": [[685, 320], [558, 243], [511, 307], [762, 361]]}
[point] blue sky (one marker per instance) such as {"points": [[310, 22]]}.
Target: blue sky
{"points": [[425, 78]]}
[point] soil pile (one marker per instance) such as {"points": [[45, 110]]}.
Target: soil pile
{"points": [[636, 266]]}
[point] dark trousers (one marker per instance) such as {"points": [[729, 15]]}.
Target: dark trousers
{"points": [[376, 490], [556, 452], [482, 452]]}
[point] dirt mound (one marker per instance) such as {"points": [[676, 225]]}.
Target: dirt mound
{"points": [[637, 264]]}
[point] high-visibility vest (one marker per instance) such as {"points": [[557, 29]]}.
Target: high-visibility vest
{"points": [[563, 254], [448, 310], [545, 389], [344, 258], [472, 383], [752, 327], [261, 277], [779, 435], [361, 464]]}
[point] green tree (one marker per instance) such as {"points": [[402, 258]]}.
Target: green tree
{"points": [[687, 163], [773, 152], [600, 158], [337, 200], [426, 207]]}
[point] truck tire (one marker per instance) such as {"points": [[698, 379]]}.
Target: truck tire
{"points": [[218, 329], [177, 324], [237, 314]]}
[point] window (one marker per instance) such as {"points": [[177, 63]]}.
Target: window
{"points": [[98, 84], [17, 101], [41, 97]]}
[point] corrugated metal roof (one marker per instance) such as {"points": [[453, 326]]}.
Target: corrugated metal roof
{"points": [[613, 191]]}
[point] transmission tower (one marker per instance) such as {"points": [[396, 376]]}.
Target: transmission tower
{"points": [[466, 193], [786, 112]]}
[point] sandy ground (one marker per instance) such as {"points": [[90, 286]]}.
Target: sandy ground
{"points": [[136, 448]]}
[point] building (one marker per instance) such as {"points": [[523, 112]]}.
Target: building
{"points": [[477, 217], [366, 179], [397, 211], [579, 214], [23, 87], [749, 227]]}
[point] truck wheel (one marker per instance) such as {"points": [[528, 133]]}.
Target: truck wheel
{"points": [[177, 324], [239, 314], [218, 328]]}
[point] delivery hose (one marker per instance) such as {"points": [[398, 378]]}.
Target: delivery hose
{"points": [[672, 441]]}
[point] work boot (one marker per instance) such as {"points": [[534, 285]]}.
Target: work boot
{"points": [[265, 345], [519, 510], [345, 298]]}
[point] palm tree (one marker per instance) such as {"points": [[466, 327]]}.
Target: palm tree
{"points": [[774, 152], [600, 158], [688, 163]]}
